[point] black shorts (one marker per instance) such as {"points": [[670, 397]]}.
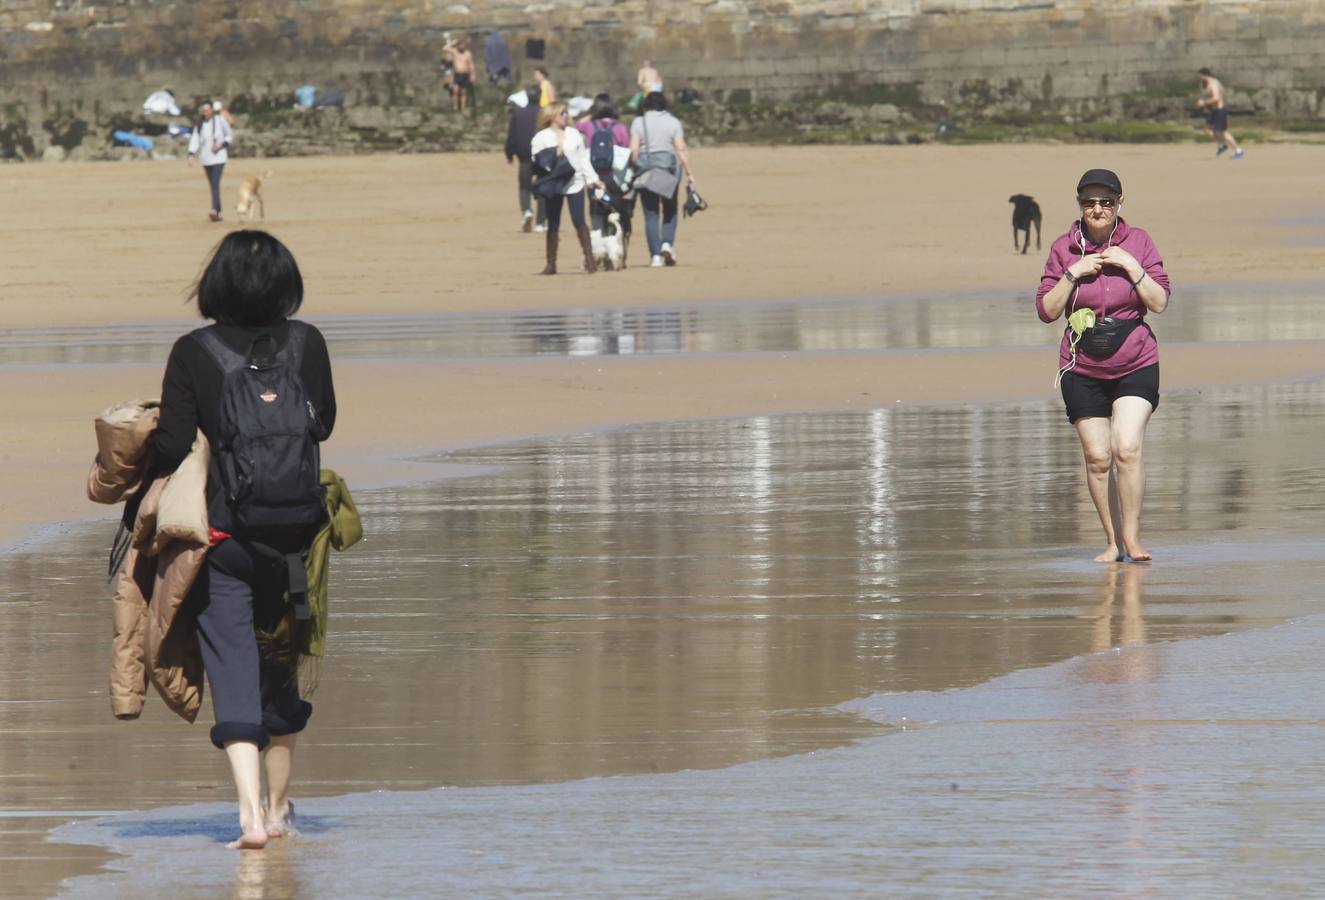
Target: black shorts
{"points": [[1088, 397], [1218, 120], [463, 80]]}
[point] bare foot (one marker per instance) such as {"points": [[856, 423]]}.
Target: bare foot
{"points": [[254, 839], [1110, 555], [282, 826], [1139, 555]]}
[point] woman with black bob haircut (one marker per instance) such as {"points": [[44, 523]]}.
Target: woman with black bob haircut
{"points": [[249, 288], [251, 280]]}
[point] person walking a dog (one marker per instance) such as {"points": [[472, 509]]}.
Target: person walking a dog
{"points": [[1216, 113], [598, 128], [562, 163], [519, 137], [658, 150], [210, 142], [1106, 276], [250, 288]]}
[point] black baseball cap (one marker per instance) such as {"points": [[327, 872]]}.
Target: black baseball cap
{"points": [[1102, 177]]}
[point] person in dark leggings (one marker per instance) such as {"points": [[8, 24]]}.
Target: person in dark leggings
{"points": [[250, 288]]}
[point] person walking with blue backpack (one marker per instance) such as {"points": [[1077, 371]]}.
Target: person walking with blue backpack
{"points": [[258, 385], [603, 133]]}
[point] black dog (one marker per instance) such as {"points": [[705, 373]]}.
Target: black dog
{"points": [[1025, 211]]}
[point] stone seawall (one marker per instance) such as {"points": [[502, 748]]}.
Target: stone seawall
{"points": [[69, 68]]}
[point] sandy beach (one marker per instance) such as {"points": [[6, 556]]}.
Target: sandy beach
{"points": [[101, 243], [116, 244]]}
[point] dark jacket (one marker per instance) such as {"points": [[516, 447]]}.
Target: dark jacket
{"points": [[520, 134], [191, 389], [191, 398]]}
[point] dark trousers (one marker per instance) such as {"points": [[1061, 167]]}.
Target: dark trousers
{"points": [[656, 232], [214, 179], [526, 182], [574, 202], [252, 697]]}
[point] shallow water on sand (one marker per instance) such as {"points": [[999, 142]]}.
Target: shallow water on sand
{"points": [[874, 323], [695, 596], [1178, 770]]}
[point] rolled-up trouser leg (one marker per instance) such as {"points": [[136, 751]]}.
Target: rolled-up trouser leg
{"points": [[252, 698]]}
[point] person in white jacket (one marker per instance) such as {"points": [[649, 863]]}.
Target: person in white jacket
{"points": [[568, 144], [210, 142]]}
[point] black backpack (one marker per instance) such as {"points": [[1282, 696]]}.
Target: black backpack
{"points": [[602, 149], [266, 455]]}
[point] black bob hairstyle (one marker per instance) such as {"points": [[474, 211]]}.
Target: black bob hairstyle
{"points": [[654, 101], [251, 280]]}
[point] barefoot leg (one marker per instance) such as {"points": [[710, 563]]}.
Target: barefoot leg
{"points": [[245, 768], [1094, 434], [278, 760], [1130, 416]]}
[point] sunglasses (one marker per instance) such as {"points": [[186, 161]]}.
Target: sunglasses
{"points": [[1104, 202]]}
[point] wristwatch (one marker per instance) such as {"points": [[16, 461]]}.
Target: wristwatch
{"points": [[1071, 279]]}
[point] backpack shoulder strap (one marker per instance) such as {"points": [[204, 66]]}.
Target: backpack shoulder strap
{"points": [[225, 357], [293, 351]]}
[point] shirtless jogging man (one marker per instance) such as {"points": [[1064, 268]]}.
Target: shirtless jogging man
{"points": [[1216, 113]]}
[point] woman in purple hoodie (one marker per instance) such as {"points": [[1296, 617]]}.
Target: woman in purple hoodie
{"points": [[1109, 371]]}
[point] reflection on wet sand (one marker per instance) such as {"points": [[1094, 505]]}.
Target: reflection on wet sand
{"points": [[1121, 621], [1196, 782], [873, 323], [696, 595], [259, 876]]}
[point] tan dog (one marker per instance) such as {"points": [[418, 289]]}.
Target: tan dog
{"points": [[250, 192]]}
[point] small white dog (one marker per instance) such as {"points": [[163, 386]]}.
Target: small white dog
{"points": [[609, 243]]}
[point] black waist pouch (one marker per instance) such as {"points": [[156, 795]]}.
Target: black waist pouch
{"points": [[1103, 339]]}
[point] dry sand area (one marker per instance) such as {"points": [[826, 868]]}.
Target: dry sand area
{"points": [[88, 244]]}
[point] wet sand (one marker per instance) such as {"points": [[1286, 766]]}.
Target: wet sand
{"points": [[1094, 776], [698, 596], [372, 235]]}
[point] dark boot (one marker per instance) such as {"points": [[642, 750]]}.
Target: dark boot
{"points": [[551, 268], [587, 246]]}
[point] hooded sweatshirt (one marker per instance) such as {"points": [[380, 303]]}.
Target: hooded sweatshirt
{"points": [[1109, 293]]}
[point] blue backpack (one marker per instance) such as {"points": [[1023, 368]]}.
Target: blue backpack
{"points": [[602, 148]]}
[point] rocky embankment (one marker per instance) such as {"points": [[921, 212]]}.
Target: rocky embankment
{"points": [[274, 127]]}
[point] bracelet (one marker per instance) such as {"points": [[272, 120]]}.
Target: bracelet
{"points": [[1137, 283], [1071, 279]]}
